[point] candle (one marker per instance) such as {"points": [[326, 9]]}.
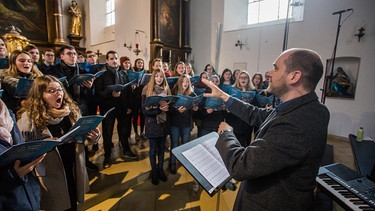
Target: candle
{"points": [[161, 52], [170, 53]]}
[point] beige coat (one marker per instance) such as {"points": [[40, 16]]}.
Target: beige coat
{"points": [[51, 174]]}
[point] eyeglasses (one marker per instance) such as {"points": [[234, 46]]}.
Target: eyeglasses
{"points": [[90, 56], [244, 77], [53, 91], [71, 53]]}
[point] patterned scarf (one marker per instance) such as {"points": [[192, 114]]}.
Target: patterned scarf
{"points": [[160, 91], [56, 115]]}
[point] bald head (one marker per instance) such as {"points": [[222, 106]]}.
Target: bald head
{"points": [[308, 62]]}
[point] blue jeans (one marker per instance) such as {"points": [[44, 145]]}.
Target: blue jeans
{"points": [[176, 133], [157, 147]]}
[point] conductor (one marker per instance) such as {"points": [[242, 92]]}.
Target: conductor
{"points": [[278, 169]]}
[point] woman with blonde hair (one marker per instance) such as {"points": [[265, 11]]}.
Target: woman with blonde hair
{"points": [[156, 123], [189, 69], [49, 111], [20, 66], [179, 69], [243, 82]]}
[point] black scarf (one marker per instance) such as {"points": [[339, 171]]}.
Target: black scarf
{"points": [[70, 71], [116, 72]]}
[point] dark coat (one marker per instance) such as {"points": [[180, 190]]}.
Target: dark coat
{"points": [[152, 128], [178, 119], [16, 193], [44, 68], [209, 121], [107, 101], [279, 168], [9, 85], [81, 97]]}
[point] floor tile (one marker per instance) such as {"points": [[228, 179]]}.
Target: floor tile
{"points": [[177, 192]]}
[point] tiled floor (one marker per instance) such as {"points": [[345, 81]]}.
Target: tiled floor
{"points": [[126, 186]]}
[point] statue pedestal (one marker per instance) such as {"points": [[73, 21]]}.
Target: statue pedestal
{"points": [[75, 40]]}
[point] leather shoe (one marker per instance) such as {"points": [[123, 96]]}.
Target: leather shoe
{"points": [[154, 177], [130, 154], [106, 163]]}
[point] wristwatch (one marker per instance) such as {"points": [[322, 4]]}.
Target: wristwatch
{"points": [[225, 130]]}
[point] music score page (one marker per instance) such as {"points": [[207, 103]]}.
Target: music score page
{"points": [[207, 160]]}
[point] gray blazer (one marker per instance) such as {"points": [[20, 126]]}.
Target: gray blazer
{"points": [[279, 167]]}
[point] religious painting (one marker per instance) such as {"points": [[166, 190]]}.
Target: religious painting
{"points": [[341, 80], [29, 16], [169, 21]]}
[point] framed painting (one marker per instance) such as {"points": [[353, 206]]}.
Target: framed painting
{"points": [[29, 16], [169, 21]]}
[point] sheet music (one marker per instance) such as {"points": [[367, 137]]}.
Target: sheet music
{"points": [[206, 159], [210, 146]]}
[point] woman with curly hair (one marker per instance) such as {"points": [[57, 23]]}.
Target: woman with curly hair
{"points": [[50, 112], [20, 66]]}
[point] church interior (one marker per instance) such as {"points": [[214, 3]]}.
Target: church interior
{"points": [[205, 32]]}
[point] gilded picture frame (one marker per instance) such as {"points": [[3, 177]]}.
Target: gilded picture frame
{"points": [[33, 18]]}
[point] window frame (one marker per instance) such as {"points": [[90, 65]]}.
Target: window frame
{"points": [[110, 13], [296, 10]]}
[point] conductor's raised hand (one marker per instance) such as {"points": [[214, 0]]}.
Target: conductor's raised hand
{"points": [[216, 92]]}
